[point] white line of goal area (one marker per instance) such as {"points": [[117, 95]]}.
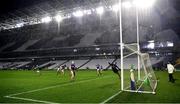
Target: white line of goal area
{"points": [[12, 96], [111, 97], [28, 99]]}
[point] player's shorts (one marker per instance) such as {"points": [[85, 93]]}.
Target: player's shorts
{"points": [[62, 70], [73, 72], [98, 69]]}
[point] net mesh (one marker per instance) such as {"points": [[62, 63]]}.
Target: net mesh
{"points": [[149, 75], [147, 81]]}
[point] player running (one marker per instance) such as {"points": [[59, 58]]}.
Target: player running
{"points": [[38, 72], [115, 69], [72, 70], [61, 69], [98, 68]]}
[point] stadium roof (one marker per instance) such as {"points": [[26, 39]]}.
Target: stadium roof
{"points": [[40, 8], [13, 12]]}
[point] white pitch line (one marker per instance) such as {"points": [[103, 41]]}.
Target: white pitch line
{"points": [[33, 100], [54, 86], [112, 96]]}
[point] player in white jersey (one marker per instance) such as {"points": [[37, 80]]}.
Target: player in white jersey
{"points": [[61, 69], [171, 70]]}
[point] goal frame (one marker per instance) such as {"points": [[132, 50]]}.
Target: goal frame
{"points": [[123, 45]]}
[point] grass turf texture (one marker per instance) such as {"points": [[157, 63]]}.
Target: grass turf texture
{"points": [[87, 88]]}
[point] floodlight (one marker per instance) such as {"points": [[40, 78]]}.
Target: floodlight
{"points": [[97, 49], [19, 25], [115, 7], [46, 19], [170, 44], [68, 16], [143, 3], [88, 12], [151, 41], [127, 4], [75, 50], [151, 45], [100, 10], [78, 13], [58, 18]]}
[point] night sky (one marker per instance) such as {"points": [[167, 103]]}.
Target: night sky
{"points": [[11, 5]]}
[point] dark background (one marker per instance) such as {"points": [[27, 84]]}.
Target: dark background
{"points": [[10, 5]]}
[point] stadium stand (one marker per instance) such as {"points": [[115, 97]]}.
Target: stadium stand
{"points": [[26, 45], [56, 64], [33, 64], [129, 61], [89, 36], [22, 64], [6, 46], [76, 33], [92, 64], [79, 63]]}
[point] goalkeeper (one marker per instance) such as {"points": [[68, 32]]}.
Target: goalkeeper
{"points": [[115, 69]]}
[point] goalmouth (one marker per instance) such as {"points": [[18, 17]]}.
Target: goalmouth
{"points": [[144, 78]]}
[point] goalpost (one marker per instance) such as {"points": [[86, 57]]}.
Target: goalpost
{"points": [[145, 79]]}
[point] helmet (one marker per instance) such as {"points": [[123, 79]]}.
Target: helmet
{"points": [[72, 62]]}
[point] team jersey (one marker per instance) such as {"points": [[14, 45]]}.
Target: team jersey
{"points": [[58, 69], [98, 66], [170, 68], [114, 67], [73, 67], [63, 67]]}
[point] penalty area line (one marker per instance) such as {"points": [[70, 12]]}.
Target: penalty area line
{"points": [[111, 97], [27, 99], [12, 96]]}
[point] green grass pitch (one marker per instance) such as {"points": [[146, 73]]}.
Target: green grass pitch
{"points": [[28, 87]]}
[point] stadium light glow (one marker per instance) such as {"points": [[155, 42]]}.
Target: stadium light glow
{"points": [[170, 44], [115, 7], [97, 49], [19, 25], [78, 13], [58, 18], [46, 19], [100, 10], [151, 45], [88, 12], [143, 3], [67, 16], [127, 4]]}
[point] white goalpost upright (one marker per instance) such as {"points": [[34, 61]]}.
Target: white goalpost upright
{"points": [[146, 81], [121, 44]]}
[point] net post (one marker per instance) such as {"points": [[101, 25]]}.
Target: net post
{"points": [[138, 47], [121, 45]]}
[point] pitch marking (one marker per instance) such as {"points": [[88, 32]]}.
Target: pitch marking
{"points": [[27, 99], [112, 96]]}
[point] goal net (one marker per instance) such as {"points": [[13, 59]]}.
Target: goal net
{"points": [[136, 79]]}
